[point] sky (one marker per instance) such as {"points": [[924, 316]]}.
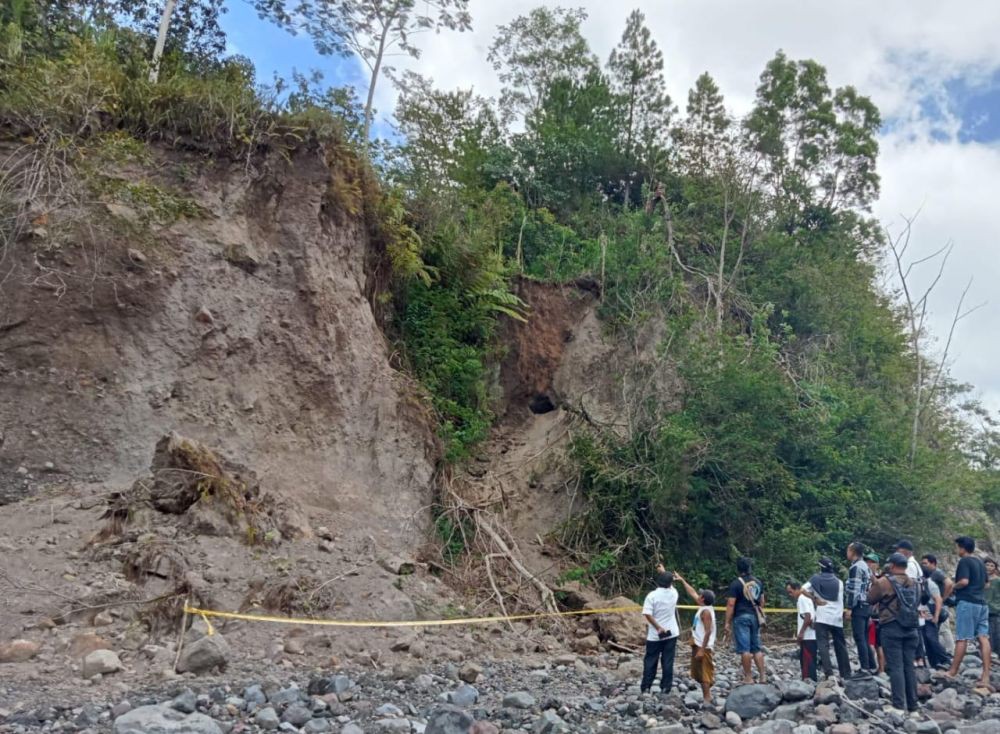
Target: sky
{"points": [[932, 68]]}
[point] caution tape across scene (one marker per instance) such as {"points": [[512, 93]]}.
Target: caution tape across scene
{"points": [[206, 613]]}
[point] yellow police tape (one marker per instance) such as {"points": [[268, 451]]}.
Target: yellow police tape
{"points": [[206, 613]]}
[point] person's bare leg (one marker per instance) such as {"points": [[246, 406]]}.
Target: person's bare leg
{"points": [[706, 692], [881, 660], [986, 651], [956, 661], [761, 671], [745, 660]]}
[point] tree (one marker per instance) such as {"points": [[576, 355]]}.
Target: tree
{"points": [[701, 137], [636, 69], [376, 29], [534, 50], [820, 146]]}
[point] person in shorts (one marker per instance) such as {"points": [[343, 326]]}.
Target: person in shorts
{"points": [[744, 609], [972, 616], [703, 632]]}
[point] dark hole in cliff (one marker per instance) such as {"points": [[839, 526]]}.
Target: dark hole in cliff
{"points": [[541, 403]]}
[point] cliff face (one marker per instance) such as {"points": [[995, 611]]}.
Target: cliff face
{"points": [[246, 325]]}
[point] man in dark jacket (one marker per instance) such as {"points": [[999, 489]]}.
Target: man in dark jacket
{"points": [[894, 599]]}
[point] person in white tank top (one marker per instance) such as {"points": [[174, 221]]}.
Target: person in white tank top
{"points": [[703, 635]]}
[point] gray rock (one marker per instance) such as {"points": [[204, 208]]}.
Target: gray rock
{"points": [[286, 696], [550, 723], [317, 726], [122, 707], [797, 690], [351, 728], [670, 729], [267, 719], [101, 662], [805, 729], [775, 726], [164, 720], [983, 727], [254, 695], [204, 655], [388, 709], [464, 695], [734, 720], [389, 726], [927, 727], [946, 700], [449, 720], [519, 700], [788, 712], [185, 702], [297, 714], [861, 689], [329, 684], [753, 700]]}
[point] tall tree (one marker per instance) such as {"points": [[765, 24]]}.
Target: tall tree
{"points": [[700, 139], [820, 146], [534, 50], [636, 69], [376, 29]]}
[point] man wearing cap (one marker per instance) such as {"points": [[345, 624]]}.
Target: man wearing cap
{"points": [[859, 579], [972, 615], [898, 639], [827, 591]]}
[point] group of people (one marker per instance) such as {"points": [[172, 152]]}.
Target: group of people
{"points": [[897, 612]]}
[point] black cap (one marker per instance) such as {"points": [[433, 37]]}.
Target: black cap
{"points": [[826, 563], [898, 559], [904, 545]]}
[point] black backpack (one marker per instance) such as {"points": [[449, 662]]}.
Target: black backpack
{"points": [[908, 597]]}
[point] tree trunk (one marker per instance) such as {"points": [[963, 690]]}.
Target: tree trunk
{"points": [[161, 40], [374, 79]]}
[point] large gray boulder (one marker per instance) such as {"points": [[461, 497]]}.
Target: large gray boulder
{"points": [[204, 655], [753, 700], [164, 719]]}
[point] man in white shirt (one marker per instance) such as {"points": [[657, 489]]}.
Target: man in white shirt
{"points": [[827, 592], [660, 611], [805, 631]]}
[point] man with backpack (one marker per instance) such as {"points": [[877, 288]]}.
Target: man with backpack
{"points": [[827, 591], [895, 598], [972, 616], [744, 615]]}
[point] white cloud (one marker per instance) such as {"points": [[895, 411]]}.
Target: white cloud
{"points": [[899, 52]]}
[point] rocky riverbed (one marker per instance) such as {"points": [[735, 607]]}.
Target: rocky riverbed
{"points": [[595, 694]]}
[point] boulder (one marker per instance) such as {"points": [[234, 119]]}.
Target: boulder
{"points": [[464, 695], [449, 720], [18, 651], [753, 700], [101, 662], [204, 655], [84, 644], [775, 726], [797, 690], [861, 689], [627, 628], [519, 700], [164, 720]]}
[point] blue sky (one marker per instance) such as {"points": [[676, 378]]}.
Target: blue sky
{"points": [[934, 72]]}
